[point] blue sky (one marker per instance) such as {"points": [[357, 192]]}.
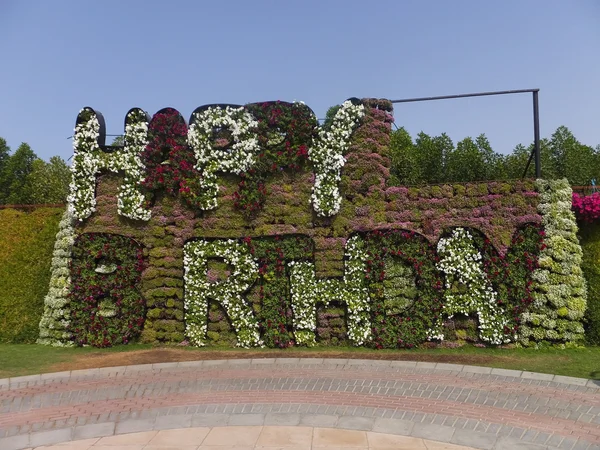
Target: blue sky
{"points": [[58, 56]]}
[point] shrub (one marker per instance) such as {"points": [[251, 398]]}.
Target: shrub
{"points": [[26, 244], [590, 243]]}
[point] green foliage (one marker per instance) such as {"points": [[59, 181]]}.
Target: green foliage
{"points": [[15, 176], [403, 161], [407, 328], [329, 115], [26, 179], [421, 162], [432, 155], [4, 157], [118, 141], [399, 287], [435, 159], [590, 242], [49, 181], [26, 244]]}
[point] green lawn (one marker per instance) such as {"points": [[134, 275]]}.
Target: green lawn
{"points": [[25, 359]]}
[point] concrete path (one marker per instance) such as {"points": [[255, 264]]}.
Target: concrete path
{"points": [[255, 438], [462, 405]]}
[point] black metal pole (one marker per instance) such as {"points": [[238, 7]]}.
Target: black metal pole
{"points": [[476, 94], [536, 134]]}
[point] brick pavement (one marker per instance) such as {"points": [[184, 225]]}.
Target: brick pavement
{"points": [[473, 406]]}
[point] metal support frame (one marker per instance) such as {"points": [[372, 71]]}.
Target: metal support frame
{"points": [[536, 118]]}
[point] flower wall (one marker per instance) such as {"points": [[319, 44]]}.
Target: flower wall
{"points": [[560, 298], [253, 226], [56, 318]]}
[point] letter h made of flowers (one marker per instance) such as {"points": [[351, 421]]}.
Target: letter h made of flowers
{"points": [[307, 291], [89, 159]]}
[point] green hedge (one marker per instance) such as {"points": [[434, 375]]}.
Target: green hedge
{"points": [[26, 244], [590, 243]]}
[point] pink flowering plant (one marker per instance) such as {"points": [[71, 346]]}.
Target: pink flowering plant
{"points": [[586, 207]]}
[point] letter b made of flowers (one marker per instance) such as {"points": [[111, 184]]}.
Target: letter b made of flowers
{"points": [[107, 307]]}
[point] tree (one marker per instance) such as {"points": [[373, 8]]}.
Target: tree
{"points": [[49, 181], [119, 141], [516, 162], [466, 162], [402, 155], [4, 157], [431, 154], [15, 175], [494, 163], [562, 143]]}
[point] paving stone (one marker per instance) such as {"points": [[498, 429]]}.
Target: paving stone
{"points": [[335, 361], [435, 432], [14, 442], [474, 439], [361, 362], [287, 360], [282, 419], [537, 376], [393, 426], [319, 420], [171, 422], [403, 364], [93, 430], [55, 375], [583, 445], [190, 364], [210, 420], [246, 419], [541, 438], [593, 383], [49, 437], [263, 360], [509, 443], [215, 362], [425, 365], [134, 426], [24, 380], [356, 423], [450, 367], [506, 372], [555, 441]]}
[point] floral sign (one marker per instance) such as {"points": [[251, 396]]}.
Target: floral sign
{"points": [[255, 226]]}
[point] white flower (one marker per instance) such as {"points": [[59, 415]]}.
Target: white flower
{"points": [[240, 157], [199, 289], [89, 159], [326, 154]]}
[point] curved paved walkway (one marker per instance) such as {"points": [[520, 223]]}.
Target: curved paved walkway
{"points": [[464, 405], [255, 438]]}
